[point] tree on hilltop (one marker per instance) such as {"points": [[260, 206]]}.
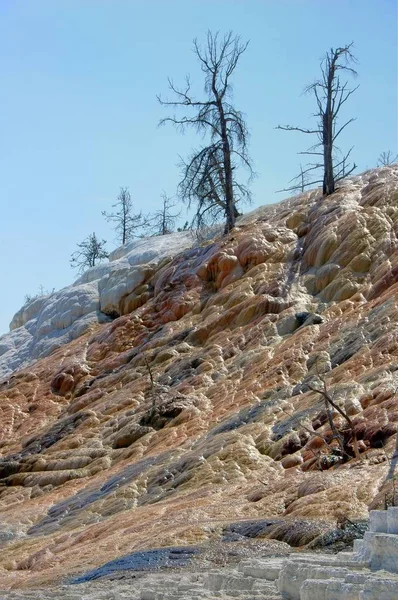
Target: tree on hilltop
{"points": [[203, 185], [91, 251], [126, 223], [163, 220], [330, 94], [387, 158], [210, 175]]}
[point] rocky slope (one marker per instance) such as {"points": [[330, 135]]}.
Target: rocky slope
{"points": [[187, 420], [101, 293]]}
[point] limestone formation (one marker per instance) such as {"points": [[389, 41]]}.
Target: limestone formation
{"points": [[184, 416]]}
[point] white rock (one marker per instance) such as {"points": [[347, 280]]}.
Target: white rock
{"points": [[294, 573], [47, 323], [154, 249], [117, 284], [392, 520], [329, 589], [29, 311], [231, 582], [358, 545], [261, 569], [378, 521], [384, 552], [380, 589]]}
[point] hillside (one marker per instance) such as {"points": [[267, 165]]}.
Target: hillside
{"points": [[162, 398]]}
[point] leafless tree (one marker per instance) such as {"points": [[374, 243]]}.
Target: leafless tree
{"points": [[126, 223], [203, 185], [330, 403], [387, 158], [309, 430], [330, 94], [91, 252], [209, 176], [163, 220]]}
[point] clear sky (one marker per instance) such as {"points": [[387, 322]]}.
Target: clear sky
{"points": [[78, 109]]}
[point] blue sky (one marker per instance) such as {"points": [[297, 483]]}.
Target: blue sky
{"points": [[78, 109]]}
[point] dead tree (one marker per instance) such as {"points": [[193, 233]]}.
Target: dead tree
{"points": [[386, 158], [215, 165], [91, 252], [330, 95], [312, 433], [203, 185], [329, 404], [162, 222], [126, 223]]}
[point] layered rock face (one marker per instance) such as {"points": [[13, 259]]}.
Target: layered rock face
{"points": [[193, 411], [99, 295]]}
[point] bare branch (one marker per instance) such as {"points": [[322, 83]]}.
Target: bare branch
{"points": [[209, 176], [329, 401], [291, 128], [387, 158], [343, 127], [127, 224], [312, 153], [162, 222], [330, 95]]}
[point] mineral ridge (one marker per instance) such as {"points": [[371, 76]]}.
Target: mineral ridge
{"points": [[162, 400]]}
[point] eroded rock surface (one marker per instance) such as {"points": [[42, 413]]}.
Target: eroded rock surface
{"points": [[191, 412], [101, 293]]}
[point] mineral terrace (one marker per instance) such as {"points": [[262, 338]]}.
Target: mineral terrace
{"points": [[162, 400]]}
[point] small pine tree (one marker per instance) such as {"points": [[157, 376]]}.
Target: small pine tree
{"points": [[126, 224], [91, 251]]}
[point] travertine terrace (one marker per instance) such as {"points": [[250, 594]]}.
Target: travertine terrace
{"points": [[99, 461]]}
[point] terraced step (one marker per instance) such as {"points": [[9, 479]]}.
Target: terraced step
{"points": [[329, 589], [380, 588], [294, 573], [261, 569]]}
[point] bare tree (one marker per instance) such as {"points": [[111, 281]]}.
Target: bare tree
{"points": [[330, 94], [203, 185], [386, 158], [215, 165], [126, 223], [321, 460], [163, 221], [330, 403], [91, 252]]}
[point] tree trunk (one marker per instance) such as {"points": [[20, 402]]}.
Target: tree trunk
{"points": [[236, 212], [327, 133], [124, 233], [229, 190], [229, 196], [328, 179]]}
